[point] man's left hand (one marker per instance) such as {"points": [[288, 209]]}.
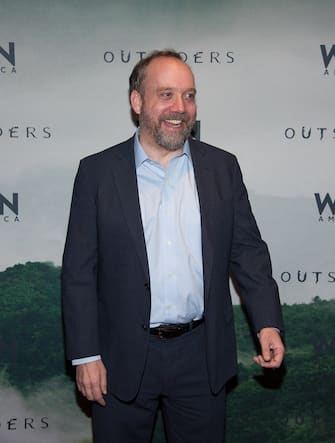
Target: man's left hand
{"points": [[272, 349]]}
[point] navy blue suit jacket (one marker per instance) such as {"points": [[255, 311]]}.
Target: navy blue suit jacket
{"points": [[105, 276]]}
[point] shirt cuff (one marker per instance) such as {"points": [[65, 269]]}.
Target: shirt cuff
{"points": [[80, 361]]}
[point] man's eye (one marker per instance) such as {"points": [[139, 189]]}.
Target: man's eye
{"points": [[190, 96], [166, 94]]}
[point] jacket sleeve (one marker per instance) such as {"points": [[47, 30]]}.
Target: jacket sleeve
{"points": [[251, 264], [79, 270]]}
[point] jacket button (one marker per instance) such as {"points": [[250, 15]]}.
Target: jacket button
{"points": [[147, 286], [145, 327]]}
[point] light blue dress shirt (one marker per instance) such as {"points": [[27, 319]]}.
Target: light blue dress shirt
{"points": [[172, 229]]}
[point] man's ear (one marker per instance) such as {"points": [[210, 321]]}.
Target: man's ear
{"points": [[136, 101]]}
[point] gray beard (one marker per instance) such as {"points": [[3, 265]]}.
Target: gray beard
{"points": [[171, 142]]}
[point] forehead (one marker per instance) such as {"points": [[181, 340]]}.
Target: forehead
{"points": [[169, 72]]}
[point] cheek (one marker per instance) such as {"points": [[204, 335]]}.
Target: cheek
{"points": [[191, 109]]}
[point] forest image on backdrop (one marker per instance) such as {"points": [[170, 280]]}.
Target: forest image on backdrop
{"points": [[291, 405]]}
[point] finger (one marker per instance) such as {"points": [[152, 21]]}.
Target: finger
{"points": [[272, 348], [267, 350], [81, 385], [86, 383], [267, 354], [92, 392], [260, 360], [98, 388], [257, 360], [278, 356], [97, 395], [273, 363], [103, 382]]}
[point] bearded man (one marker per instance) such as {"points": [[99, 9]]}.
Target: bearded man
{"points": [[157, 225]]}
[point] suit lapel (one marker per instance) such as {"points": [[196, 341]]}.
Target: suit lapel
{"points": [[205, 184], [126, 183]]}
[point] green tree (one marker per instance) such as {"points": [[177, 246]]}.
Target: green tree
{"points": [[31, 342]]}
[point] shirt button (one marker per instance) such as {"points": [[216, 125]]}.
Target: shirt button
{"points": [[169, 242]]}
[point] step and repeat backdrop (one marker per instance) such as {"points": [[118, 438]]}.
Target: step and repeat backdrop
{"points": [[265, 73]]}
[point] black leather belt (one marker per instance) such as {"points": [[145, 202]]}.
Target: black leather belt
{"points": [[174, 330]]}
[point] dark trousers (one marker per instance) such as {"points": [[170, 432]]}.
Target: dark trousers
{"points": [[175, 379]]}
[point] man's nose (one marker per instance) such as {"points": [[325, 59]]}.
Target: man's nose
{"points": [[179, 104]]}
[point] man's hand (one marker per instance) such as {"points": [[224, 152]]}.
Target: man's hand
{"points": [[92, 381], [272, 349]]}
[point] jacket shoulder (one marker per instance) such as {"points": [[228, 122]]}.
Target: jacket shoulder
{"points": [[214, 152]]}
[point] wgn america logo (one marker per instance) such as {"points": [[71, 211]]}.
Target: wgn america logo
{"points": [[9, 209], [309, 133], [7, 56], [327, 55], [192, 57], [322, 204]]}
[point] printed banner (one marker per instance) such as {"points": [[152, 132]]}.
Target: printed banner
{"points": [[265, 74]]}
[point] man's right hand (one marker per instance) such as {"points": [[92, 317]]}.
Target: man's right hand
{"points": [[91, 380]]}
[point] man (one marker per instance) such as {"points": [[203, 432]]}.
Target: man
{"points": [[157, 224]]}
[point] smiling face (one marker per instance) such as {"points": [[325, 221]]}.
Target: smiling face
{"points": [[166, 104]]}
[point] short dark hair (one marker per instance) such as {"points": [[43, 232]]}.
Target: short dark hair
{"points": [[138, 73]]}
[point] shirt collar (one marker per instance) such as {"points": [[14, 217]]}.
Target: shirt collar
{"points": [[141, 156]]}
